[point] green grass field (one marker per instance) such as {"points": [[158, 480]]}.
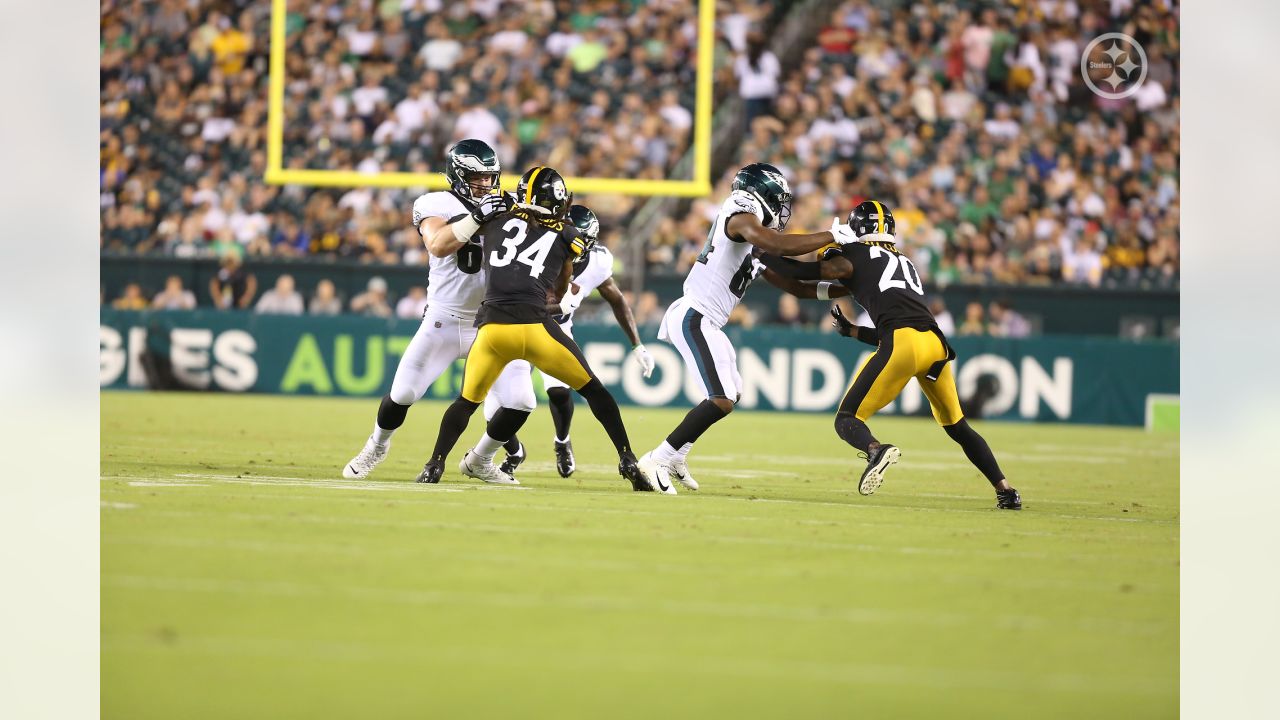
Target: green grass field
{"points": [[243, 578]]}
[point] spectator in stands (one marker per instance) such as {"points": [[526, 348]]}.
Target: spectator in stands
{"points": [[283, 299], [174, 296], [131, 299], [373, 301], [413, 305], [232, 287], [789, 312], [325, 301], [1005, 322], [973, 320], [758, 71], [942, 316]]}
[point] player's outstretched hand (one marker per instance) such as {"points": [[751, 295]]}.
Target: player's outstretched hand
{"points": [[841, 323], [645, 358], [490, 205], [843, 234]]}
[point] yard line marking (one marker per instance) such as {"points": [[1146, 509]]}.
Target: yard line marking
{"points": [[153, 483], [118, 505]]}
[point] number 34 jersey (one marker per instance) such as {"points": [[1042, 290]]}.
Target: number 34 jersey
{"points": [[885, 283], [523, 256], [725, 268]]}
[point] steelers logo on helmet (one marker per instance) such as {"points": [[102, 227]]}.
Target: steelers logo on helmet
{"points": [[542, 191], [872, 220]]}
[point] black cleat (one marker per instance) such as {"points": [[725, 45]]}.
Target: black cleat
{"points": [[431, 472], [1008, 499], [877, 463], [564, 458], [513, 461], [629, 469]]}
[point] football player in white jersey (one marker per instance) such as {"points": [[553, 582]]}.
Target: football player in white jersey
{"points": [[456, 283], [592, 270], [755, 214]]}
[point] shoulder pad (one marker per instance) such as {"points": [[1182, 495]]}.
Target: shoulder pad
{"points": [[742, 202]]}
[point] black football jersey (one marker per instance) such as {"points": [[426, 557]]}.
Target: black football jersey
{"points": [[523, 257], [885, 283]]}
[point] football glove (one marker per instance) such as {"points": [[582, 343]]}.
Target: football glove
{"points": [[490, 205], [645, 359], [842, 325], [572, 299], [843, 234]]}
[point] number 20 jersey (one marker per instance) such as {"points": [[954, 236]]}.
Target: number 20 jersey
{"points": [[886, 284], [523, 257], [724, 270]]}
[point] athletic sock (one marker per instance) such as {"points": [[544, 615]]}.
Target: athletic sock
{"points": [[391, 416], [486, 447], [605, 408], [560, 402], [502, 429], [695, 422], [452, 424], [854, 431], [684, 450], [976, 449], [512, 446], [664, 453], [564, 441]]}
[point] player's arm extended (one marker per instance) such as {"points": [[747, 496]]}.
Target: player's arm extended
{"points": [[803, 290], [439, 236], [747, 227], [836, 268], [612, 294], [557, 293]]}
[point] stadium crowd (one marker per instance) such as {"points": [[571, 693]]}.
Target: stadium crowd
{"points": [[1001, 166], [971, 119]]}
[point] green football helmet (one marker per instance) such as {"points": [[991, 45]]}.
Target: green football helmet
{"points": [[766, 183], [543, 191], [472, 169], [588, 226]]}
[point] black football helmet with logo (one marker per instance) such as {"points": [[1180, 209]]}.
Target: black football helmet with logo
{"points": [[542, 191], [872, 217], [588, 226]]}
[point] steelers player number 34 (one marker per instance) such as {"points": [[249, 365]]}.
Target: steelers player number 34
{"points": [[911, 278], [535, 256]]}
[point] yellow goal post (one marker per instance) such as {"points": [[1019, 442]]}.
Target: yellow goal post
{"points": [[699, 186]]}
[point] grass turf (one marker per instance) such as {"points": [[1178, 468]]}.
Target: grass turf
{"points": [[242, 577]]}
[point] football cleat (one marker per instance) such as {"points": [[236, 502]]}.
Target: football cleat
{"points": [[364, 463], [564, 458], [431, 472], [658, 476], [680, 471], [513, 461], [877, 463], [1008, 499], [474, 466]]}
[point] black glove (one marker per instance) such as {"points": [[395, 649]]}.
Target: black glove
{"points": [[841, 323], [863, 334], [490, 205]]}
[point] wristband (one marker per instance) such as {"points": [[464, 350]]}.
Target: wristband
{"points": [[466, 227], [824, 291]]}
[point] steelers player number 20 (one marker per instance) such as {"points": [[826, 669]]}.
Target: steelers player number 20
{"points": [[911, 278], [535, 256]]}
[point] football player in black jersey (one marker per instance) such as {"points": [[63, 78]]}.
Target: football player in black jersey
{"points": [[909, 344], [528, 257]]}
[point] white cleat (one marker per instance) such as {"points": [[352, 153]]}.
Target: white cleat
{"points": [[880, 460], [474, 466], [680, 471], [364, 463], [659, 475]]}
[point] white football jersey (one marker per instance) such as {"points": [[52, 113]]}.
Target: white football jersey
{"points": [[724, 269], [448, 286], [595, 270]]}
